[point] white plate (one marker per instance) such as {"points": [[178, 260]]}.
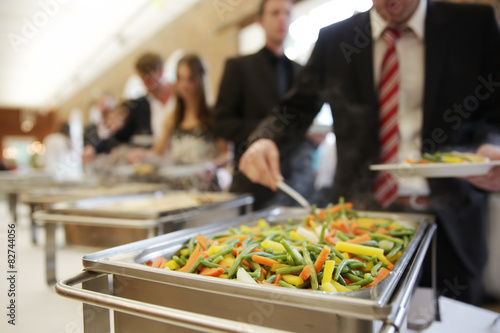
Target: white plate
{"points": [[437, 170]]}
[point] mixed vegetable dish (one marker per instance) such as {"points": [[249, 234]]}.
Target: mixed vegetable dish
{"points": [[332, 250], [449, 157]]}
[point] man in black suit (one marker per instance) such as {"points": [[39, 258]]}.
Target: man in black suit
{"points": [[250, 88], [453, 104], [146, 115]]}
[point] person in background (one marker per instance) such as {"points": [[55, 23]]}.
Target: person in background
{"points": [[407, 77], [251, 87], [57, 160], [146, 114], [187, 132], [110, 119]]}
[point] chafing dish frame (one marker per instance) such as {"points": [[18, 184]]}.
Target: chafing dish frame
{"points": [[390, 307]]}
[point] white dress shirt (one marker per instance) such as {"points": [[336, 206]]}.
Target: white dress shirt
{"points": [[159, 112], [410, 49]]}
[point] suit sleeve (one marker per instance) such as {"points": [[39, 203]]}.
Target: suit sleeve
{"points": [[491, 75], [300, 106], [230, 122]]}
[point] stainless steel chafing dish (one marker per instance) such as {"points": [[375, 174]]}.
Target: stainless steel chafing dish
{"points": [[155, 300], [38, 198], [107, 221]]}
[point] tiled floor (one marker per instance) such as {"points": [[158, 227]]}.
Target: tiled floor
{"points": [[39, 308]]}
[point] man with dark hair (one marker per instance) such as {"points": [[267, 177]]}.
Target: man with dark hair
{"points": [[407, 77], [146, 115], [250, 88]]}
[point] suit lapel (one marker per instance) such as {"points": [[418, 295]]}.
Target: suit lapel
{"points": [[435, 41]]}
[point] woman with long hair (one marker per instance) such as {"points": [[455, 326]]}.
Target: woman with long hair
{"points": [[188, 129]]}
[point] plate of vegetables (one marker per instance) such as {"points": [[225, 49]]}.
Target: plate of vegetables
{"points": [[441, 165], [331, 250]]}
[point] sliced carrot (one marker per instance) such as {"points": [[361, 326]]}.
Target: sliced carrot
{"points": [[330, 240], [215, 272], [335, 209], [264, 261], [263, 271], [163, 262], [278, 279], [191, 259], [320, 261], [157, 262], [321, 214], [381, 231], [246, 263], [390, 265], [202, 240], [223, 264], [360, 239], [382, 274], [306, 272], [204, 254]]}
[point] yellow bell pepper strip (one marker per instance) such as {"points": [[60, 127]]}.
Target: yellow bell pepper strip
{"points": [[269, 244], [328, 272], [339, 287], [292, 279], [328, 287], [363, 250]]}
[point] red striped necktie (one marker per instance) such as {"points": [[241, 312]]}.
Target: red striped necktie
{"points": [[386, 185]]}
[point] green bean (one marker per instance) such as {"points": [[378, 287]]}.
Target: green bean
{"points": [[290, 270], [308, 262], [286, 284], [292, 254], [262, 254], [245, 242], [322, 234], [257, 271], [341, 281], [374, 260], [387, 238], [342, 207], [340, 266], [370, 243], [195, 265], [406, 240], [271, 279], [340, 235], [233, 231], [375, 268], [270, 236], [353, 287], [223, 252], [357, 273], [363, 282], [362, 257], [238, 260], [400, 233], [337, 253], [356, 264], [352, 277], [394, 251], [179, 261], [218, 259], [191, 245], [314, 248], [230, 242], [212, 265]]}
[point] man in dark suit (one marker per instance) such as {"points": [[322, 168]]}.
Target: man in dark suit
{"points": [[250, 88], [453, 104], [146, 115]]}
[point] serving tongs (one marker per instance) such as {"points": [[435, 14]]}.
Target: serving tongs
{"points": [[294, 194]]}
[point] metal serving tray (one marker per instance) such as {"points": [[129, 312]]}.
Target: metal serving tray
{"points": [[116, 206], [154, 300]]}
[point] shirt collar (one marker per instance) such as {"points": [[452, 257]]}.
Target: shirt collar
{"points": [[416, 22]]}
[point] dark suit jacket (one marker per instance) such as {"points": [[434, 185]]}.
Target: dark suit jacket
{"points": [[247, 95], [138, 121], [461, 110]]}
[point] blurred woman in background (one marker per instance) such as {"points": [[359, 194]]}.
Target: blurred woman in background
{"points": [[188, 130]]}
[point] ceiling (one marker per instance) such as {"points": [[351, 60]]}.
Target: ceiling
{"points": [[51, 48]]}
